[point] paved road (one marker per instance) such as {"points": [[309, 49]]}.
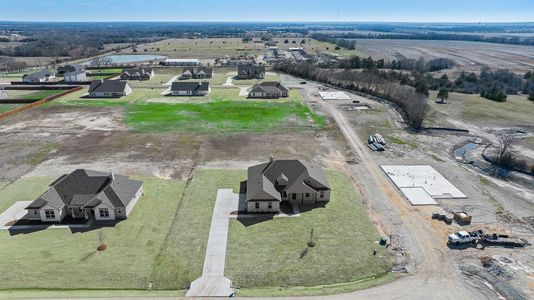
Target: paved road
{"points": [[212, 282]]}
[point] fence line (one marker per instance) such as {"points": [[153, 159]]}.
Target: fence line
{"points": [[37, 103]]}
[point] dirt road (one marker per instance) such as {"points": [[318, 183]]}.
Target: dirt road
{"points": [[433, 273]]}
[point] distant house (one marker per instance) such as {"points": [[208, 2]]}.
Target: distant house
{"points": [[3, 94], [190, 88], [87, 194], [137, 74], [39, 76], [268, 90], [181, 62], [293, 181], [69, 69], [196, 73], [250, 72], [109, 88], [76, 76]]}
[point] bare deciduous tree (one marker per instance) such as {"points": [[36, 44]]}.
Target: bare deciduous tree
{"points": [[505, 144]]}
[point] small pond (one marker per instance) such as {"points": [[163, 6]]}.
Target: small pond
{"points": [[460, 152], [129, 58]]}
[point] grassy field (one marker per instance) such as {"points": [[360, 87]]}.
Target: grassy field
{"points": [[268, 77], [475, 109], [221, 116], [270, 253], [182, 255], [59, 259], [200, 48], [31, 94], [8, 107], [80, 98], [217, 47]]}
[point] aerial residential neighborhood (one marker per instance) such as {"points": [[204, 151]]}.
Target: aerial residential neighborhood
{"points": [[290, 150]]}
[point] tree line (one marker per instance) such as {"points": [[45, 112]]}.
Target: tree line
{"points": [[339, 42], [411, 103]]}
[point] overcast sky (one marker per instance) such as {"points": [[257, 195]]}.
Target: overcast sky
{"points": [[269, 10]]}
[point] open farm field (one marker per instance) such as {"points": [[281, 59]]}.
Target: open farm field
{"points": [[468, 55]]}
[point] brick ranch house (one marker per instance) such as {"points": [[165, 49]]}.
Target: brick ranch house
{"points": [[276, 181], [87, 194]]}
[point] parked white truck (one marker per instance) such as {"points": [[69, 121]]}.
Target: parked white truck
{"points": [[463, 237]]}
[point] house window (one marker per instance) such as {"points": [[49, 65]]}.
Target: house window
{"points": [[104, 212], [284, 194], [119, 210], [35, 211], [307, 195], [294, 196], [257, 205], [50, 214], [321, 194], [270, 206]]}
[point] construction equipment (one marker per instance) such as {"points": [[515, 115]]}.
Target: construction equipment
{"points": [[479, 237]]}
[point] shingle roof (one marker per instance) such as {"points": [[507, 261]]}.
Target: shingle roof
{"points": [[269, 87], [190, 86], [141, 71], [107, 86], [262, 181], [87, 188], [39, 74], [73, 73]]}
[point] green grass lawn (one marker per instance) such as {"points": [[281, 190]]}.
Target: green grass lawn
{"points": [[59, 259], [8, 107], [221, 116], [268, 254], [182, 255], [79, 98], [268, 77], [31, 94], [473, 108]]}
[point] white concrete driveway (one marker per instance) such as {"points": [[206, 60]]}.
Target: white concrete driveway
{"points": [[212, 283], [16, 212]]}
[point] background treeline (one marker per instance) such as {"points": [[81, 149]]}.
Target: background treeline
{"points": [[342, 43], [500, 39], [411, 103], [407, 64]]}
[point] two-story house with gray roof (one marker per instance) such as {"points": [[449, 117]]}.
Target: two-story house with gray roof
{"points": [[293, 181], [87, 194]]}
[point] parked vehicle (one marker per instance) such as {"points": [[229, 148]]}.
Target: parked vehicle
{"points": [[464, 237]]}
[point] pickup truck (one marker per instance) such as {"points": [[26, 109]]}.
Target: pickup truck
{"points": [[463, 237]]}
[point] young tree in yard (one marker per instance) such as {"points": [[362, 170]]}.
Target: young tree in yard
{"points": [[443, 94]]}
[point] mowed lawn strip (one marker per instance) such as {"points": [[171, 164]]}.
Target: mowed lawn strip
{"points": [[59, 259], [221, 116], [270, 253], [182, 256]]}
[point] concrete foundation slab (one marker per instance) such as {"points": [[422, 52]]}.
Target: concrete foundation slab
{"points": [[413, 180], [334, 96]]}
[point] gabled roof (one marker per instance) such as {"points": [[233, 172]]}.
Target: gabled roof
{"points": [[70, 68], [74, 73], [107, 86], [301, 176], [140, 71], [87, 188], [250, 69], [269, 87], [41, 74], [197, 70], [190, 86]]}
